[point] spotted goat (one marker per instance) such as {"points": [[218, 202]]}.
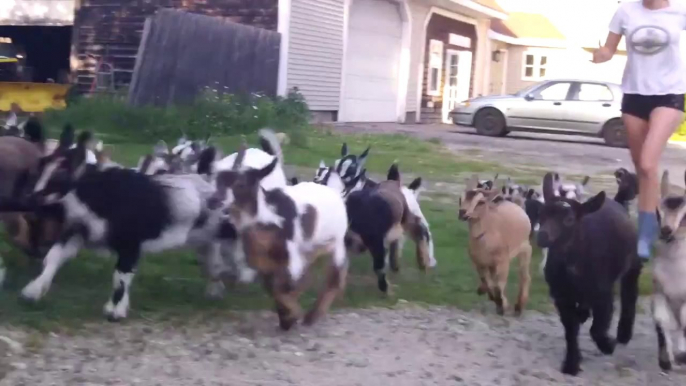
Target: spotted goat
{"points": [[283, 231], [380, 218], [123, 211]]}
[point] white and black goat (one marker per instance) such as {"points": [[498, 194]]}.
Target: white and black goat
{"points": [[379, 217], [627, 187], [669, 274], [125, 212], [283, 230], [592, 246], [348, 167]]}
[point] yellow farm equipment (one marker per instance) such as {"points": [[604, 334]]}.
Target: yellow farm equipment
{"points": [[32, 97]]}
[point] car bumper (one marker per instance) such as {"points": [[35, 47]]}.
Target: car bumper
{"points": [[462, 117]]}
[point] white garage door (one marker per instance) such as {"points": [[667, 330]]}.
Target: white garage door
{"points": [[372, 61]]}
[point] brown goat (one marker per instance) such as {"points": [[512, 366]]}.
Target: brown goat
{"points": [[498, 232]]}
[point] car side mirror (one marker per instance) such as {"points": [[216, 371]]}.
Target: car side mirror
{"points": [[529, 97]]}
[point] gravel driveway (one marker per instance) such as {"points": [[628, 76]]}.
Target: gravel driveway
{"points": [[565, 154], [408, 346]]}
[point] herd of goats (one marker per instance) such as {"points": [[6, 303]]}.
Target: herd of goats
{"points": [[245, 219]]}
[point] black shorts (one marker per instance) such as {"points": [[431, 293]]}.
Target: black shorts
{"points": [[640, 106]]}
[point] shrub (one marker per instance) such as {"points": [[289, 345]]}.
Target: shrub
{"points": [[212, 112]]}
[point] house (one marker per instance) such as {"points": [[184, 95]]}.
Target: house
{"points": [[548, 43], [386, 60]]}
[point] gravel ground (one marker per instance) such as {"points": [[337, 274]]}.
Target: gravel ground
{"points": [[405, 346]]}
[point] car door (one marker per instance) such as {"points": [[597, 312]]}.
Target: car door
{"points": [[544, 108], [591, 105]]}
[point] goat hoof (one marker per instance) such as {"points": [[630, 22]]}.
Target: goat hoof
{"points": [[500, 311], [624, 337], [571, 368], [607, 346], [665, 365], [680, 358], [113, 319], [310, 318], [518, 310], [287, 323], [383, 286]]}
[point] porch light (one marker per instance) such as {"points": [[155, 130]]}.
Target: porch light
{"points": [[495, 55]]}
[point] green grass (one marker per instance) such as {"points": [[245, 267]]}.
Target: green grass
{"points": [[169, 287]]}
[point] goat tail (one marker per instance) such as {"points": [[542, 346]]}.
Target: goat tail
{"points": [[33, 131], [270, 143], [629, 297], [416, 185], [524, 258], [393, 172]]}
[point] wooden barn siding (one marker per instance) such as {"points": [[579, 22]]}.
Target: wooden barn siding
{"points": [[440, 28], [172, 69], [116, 26]]}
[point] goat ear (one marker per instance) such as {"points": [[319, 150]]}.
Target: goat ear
{"points": [[322, 165], [182, 140], [593, 204], [267, 170], [344, 149], [664, 184], [585, 180], [549, 186], [393, 173], [362, 159]]}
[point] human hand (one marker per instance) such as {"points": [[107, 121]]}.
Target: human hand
{"points": [[600, 55]]}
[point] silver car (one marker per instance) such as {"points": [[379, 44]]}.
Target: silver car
{"points": [[560, 106]]}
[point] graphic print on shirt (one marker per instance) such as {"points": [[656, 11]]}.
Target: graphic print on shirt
{"points": [[649, 39]]}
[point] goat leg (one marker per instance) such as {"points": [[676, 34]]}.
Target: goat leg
{"points": [[335, 283], [628, 298], [603, 309], [524, 259], [500, 274], [393, 252], [568, 317], [663, 318], [285, 297], [378, 252], [118, 306]]}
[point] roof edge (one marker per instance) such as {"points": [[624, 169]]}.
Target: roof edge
{"points": [[529, 42], [482, 9]]}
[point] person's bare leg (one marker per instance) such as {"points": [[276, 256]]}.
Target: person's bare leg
{"points": [[663, 122], [636, 132]]}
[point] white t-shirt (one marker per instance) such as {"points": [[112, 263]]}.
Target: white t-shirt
{"points": [[654, 65]]}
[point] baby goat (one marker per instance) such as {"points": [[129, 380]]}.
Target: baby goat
{"points": [[592, 245], [669, 273], [627, 187], [123, 211], [379, 218], [498, 232], [283, 230]]}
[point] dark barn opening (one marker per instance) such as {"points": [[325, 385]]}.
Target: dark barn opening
{"points": [[46, 51]]}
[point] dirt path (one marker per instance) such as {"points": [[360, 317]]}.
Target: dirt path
{"points": [[406, 346]]}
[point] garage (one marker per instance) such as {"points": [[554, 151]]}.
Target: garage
{"points": [[372, 61]]}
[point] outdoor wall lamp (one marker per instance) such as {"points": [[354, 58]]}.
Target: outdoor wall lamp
{"points": [[495, 55]]}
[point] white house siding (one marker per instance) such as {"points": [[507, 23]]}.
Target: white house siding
{"points": [[315, 58], [418, 12]]}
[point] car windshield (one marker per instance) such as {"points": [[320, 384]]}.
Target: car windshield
{"points": [[526, 90]]}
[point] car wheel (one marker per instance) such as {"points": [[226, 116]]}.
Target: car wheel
{"points": [[490, 122], [614, 134]]}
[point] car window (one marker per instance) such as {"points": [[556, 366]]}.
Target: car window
{"points": [[593, 92], [554, 92]]}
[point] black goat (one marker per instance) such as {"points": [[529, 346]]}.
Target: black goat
{"points": [[592, 245], [627, 187]]}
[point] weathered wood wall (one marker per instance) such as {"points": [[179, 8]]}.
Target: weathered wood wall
{"points": [[114, 27], [181, 53]]}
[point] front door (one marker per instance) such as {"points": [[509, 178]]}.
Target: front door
{"points": [[458, 70]]}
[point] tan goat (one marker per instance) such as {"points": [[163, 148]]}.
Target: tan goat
{"points": [[498, 232]]}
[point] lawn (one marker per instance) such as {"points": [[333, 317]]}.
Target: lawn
{"points": [[170, 287]]}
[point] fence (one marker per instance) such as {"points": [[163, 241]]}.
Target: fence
{"points": [[180, 53]]}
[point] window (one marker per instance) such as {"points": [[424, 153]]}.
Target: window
{"points": [[554, 92], [535, 66], [435, 67], [594, 92]]}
